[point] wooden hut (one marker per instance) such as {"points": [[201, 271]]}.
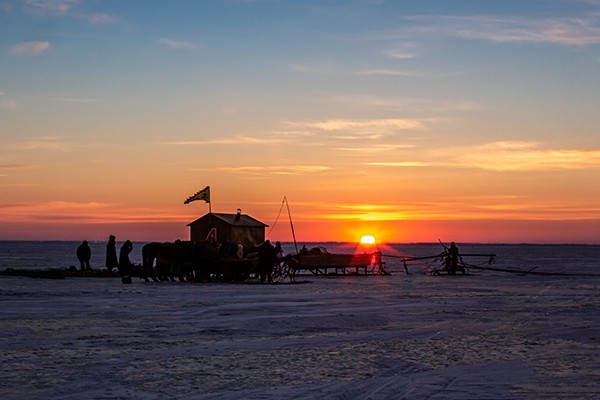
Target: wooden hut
{"points": [[236, 228]]}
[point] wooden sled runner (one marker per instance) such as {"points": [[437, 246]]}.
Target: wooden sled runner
{"points": [[326, 264]]}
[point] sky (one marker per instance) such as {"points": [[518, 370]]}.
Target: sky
{"points": [[413, 121]]}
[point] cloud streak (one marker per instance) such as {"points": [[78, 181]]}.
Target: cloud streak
{"points": [[12, 167], [48, 7], [99, 19], [75, 100], [34, 48], [360, 136], [49, 143], [177, 44], [7, 103], [278, 170], [66, 8], [562, 31], [233, 140], [524, 156], [404, 104], [375, 148], [491, 207], [505, 156], [368, 125], [402, 53]]}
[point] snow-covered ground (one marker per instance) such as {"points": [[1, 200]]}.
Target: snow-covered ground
{"points": [[482, 336]]}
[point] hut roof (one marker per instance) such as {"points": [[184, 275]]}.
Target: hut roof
{"points": [[231, 219]]}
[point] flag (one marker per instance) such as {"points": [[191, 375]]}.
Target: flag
{"points": [[203, 194]]}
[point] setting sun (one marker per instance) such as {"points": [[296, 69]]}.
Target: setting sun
{"points": [[367, 239]]}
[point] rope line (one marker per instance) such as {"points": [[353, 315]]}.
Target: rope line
{"points": [[277, 219]]}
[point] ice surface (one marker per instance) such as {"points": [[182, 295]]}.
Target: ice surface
{"points": [[481, 336]]}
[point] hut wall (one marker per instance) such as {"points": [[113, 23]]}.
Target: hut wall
{"points": [[246, 235], [201, 228]]}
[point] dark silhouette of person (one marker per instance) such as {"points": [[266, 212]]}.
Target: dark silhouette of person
{"points": [[453, 256], [111, 254], [84, 253], [266, 259], [125, 264], [278, 250]]}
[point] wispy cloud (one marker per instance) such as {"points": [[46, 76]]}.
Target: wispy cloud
{"points": [[48, 7], [67, 8], [354, 129], [375, 148], [405, 164], [12, 167], [464, 207], [371, 125], [504, 156], [395, 212], [177, 44], [278, 170], [75, 100], [7, 103], [563, 31], [390, 72], [83, 213], [402, 52], [98, 19], [232, 140], [405, 73], [51, 143], [326, 68], [523, 156], [82, 100], [319, 68], [34, 48], [52, 211], [365, 214], [331, 133], [404, 104]]}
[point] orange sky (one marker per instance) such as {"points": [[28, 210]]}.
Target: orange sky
{"points": [[464, 121], [313, 220]]}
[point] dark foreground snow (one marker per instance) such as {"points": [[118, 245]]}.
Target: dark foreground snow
{"points": [[378, 337]]}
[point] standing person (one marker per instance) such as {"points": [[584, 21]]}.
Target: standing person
{"points": [[84, 253], [453, 256], [266, 260], [111, 254], [124, 262]]}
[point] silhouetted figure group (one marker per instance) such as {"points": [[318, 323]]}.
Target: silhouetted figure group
{"points": [[268, 256], [123, 264]]}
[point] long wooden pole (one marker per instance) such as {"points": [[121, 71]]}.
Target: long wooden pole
{"points": [[291, 223]]}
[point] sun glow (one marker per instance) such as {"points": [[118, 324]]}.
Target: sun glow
{"points": [[367, 239]]}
